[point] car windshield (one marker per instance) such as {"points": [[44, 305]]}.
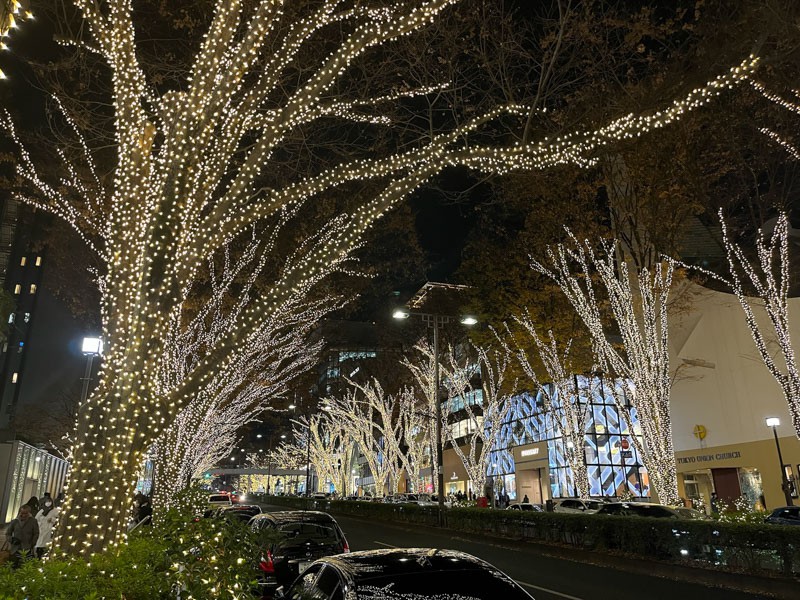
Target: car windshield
{"points": [[455, 585]]}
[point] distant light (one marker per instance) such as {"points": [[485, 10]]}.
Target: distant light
{"points": [[400, 313], [233, 458], [259, 436], [292, 407], [3, 75], [283, 436], [92, 345], [773, 421], [468, 320]]}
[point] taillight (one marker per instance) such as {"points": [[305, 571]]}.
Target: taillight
{"points": [[346, 548], [267, 565]]}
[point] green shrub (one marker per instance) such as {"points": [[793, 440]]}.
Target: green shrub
{"points": [[204, 558]]}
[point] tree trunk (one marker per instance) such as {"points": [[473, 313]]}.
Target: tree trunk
{"points": [[106, 459]]}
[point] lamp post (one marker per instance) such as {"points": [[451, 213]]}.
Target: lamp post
{"points": [[436, 321], [92, 346], [774, 422]]}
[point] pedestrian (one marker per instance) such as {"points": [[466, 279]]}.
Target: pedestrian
{"points": [[714, 502], [33, 503], [525, 499], [145, 510], [46, 518], [23, 533]]}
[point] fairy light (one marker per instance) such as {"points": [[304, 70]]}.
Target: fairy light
{"points": [[561, 396], [768, 276], [185, 184], [638, 303]]}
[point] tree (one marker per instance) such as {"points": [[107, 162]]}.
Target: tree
{"points": [[482, 420], [638, 303], [196, 166], [768, 278], [562, 398]]}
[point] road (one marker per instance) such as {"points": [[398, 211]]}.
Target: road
{"points": [[545, 573]]}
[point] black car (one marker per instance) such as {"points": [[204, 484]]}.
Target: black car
{"points": [[639, 509], [294, 539], [242, 512], [785, 515], [403, 573]]}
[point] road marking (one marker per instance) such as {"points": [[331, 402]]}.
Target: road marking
{"points": [[382, 544], [549, 591]]}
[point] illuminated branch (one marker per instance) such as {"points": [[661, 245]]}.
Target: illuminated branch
{"points": [[768, 276], [638, 304], [561, 396]]}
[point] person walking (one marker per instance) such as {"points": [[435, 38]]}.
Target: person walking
{"points": [[23, 533], [47, 518], [525, 499]]}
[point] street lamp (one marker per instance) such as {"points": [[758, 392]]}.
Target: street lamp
{"points": [[436, 321], [92, 346], [774, 422]]}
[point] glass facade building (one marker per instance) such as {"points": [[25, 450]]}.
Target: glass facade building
{"points": [[614, 467]]}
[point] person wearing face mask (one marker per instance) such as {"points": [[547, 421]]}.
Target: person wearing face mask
{"points": [[46, 518]]}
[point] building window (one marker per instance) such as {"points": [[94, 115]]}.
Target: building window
{"points": [[33, 288], [14, 378], [23, 260], [11, 318], [17, 288], [38, 261]]}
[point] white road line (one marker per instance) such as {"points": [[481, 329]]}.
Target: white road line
{"points": [[549, 591], [382, 544]]}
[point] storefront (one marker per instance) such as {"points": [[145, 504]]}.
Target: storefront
{"points": [[746, 472], [533, 472], [455, 475], [27, 471]]}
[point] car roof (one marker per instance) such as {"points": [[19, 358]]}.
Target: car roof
{"points": [[295, 516], [360, 566]]}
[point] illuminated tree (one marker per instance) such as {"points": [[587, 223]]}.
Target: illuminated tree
{"points": [[561, 397], [472, 427], [372, 419], [768, 278], [638, 304], [197, 165], [416, 427], [207, 429]]}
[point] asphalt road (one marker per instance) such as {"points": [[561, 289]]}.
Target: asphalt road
{"points": [[546, 573]]}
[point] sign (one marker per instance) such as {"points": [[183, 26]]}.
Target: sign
{"points": [[701, 458], [624, 443], [699, 432], [627, 454], [454, 477], [530, 452]]}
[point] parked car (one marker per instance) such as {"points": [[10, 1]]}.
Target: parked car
{"points": [[215, 500], [242, 512], [304, 536], [639, 509], [691, 513], [576, 505], [526, 506], [785, 515], [403, 573]]}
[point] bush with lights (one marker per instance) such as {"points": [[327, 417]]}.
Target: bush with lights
{"points": [[180, 556]]}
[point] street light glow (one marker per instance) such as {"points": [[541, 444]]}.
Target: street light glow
{"points": [[92, 345], [773, 421], [400, 313], [468, 320]]}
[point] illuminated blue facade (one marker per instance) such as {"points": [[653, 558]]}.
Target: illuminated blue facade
{"points": [[613, 463]]}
